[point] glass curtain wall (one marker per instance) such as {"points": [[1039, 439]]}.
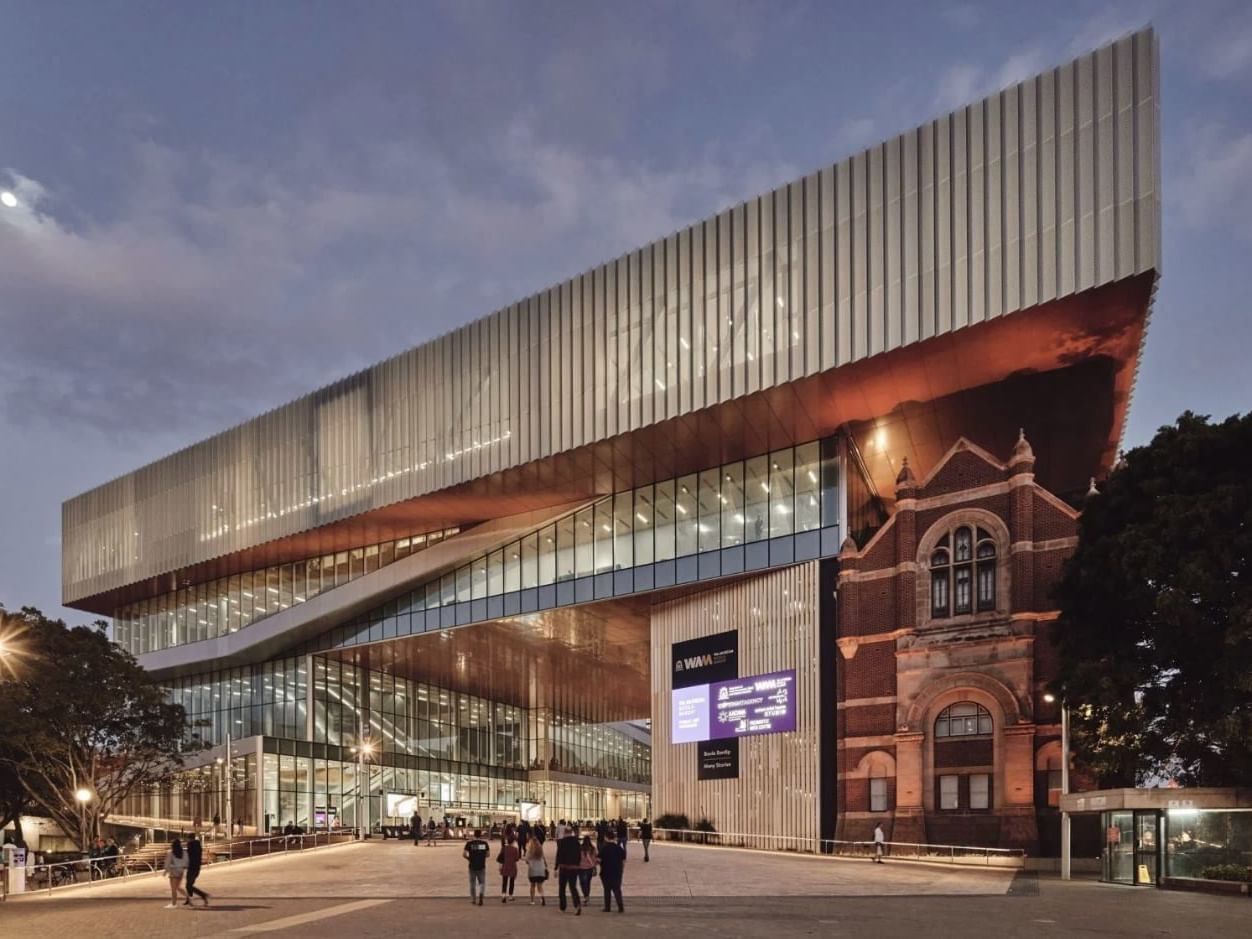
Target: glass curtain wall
{"points": [[228, 604], [785, 492]]}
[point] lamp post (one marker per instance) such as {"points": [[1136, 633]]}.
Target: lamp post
{"points": [[1065, 819], [219, 804], [363, 750], [82, 796], [230, 785]]}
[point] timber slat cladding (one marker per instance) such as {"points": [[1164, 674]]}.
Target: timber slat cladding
{"points": [[776, 616]]}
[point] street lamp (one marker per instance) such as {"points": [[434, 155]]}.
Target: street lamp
{"points": [[363, 750], [82, 795], [1065, 820]]}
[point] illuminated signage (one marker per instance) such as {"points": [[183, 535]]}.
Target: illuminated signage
{"points": [[706, 659], [740, 707]]}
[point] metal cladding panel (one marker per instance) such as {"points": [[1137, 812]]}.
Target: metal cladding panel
{"points": [[776, 618], [1042, 190]]}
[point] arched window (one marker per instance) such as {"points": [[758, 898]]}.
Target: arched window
{"points": [[963, 573], [964, 719]]}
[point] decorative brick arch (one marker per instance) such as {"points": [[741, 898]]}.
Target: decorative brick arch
{"points": [[1046, 753], [979, 687], [975, 518], [875, 765]]}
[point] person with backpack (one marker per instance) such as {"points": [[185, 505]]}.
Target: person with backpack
{"points": [[175, 869], [195, 857], [536, 870]]}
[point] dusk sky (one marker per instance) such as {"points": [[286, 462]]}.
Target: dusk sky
{"points": [[222, 206]]}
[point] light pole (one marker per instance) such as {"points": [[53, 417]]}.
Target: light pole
{"points": [[362, 750], [1065, 820], [82, 796], [230, 785]]}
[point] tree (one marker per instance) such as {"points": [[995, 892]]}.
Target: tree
{"points": [[81, 714], [1155, 632]]}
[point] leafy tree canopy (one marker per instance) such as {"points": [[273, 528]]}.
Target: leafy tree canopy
{"points": [[1155, 631], [77, 712]]}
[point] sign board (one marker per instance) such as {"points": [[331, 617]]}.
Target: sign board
{"points": [[718, 759], [761, 704], [401, 805], [704, 660], [740, 707]]}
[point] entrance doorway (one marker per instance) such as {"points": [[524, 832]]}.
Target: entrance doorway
{"points": [[1132, 847]]}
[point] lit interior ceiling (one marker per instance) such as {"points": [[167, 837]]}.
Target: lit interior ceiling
{"points": [[589, 661]]}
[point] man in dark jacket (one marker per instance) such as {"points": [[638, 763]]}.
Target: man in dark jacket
{"points": [[415, 829], [568, 862], [645, 835], [612, 867], [195, 856]]}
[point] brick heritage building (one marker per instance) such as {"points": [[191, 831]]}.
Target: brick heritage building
{"points": [[943, 632]]}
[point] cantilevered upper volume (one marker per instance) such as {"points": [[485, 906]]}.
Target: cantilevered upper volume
{"points": [[1017, 238]]}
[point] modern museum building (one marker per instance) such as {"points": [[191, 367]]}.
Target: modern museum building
{"points": [[757, 523]]}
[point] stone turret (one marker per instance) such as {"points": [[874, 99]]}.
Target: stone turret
{"points": [[1023, 459]]}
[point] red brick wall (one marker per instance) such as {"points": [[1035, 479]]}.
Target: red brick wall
{"points": [[964, 752], [871, 673], [870, 719], [965, 470], [889, 604]]}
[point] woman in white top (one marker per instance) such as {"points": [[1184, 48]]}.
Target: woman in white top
{"points": [[175, 868]]}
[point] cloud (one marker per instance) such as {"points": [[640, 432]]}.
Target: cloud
{"points": [[217, 289], [962, 15], [1210, 187], [1229, 53], [855, 135]]}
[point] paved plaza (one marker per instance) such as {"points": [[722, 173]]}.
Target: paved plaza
{"points": [[390, 888]]}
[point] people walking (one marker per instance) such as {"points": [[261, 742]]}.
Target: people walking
{"points": [[415, 829], [880, 843], [622, 835], [476, 851], [508, 857], [536, 870], [612, 869], [587, 865], [195, 856], [568, 861], [175, 870], [645, 835]]}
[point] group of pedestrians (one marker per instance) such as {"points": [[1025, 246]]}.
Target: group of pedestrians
{"points": [[184, 863], [577, 862]]}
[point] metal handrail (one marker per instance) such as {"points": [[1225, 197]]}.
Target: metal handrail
{"points": [[60, 874], [948, 853]]}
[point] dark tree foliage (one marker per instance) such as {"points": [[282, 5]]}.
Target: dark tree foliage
{"points": [[79, 713], [1156, 612]]}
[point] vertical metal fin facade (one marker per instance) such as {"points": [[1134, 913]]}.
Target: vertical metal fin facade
{"points": [[1043, 190]]}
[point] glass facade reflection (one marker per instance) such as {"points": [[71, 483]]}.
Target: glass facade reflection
{"points": [[455, 750], [754, 500], [228, 604]]}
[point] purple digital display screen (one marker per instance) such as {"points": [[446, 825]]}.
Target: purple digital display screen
{"points": [[739, 707]]}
